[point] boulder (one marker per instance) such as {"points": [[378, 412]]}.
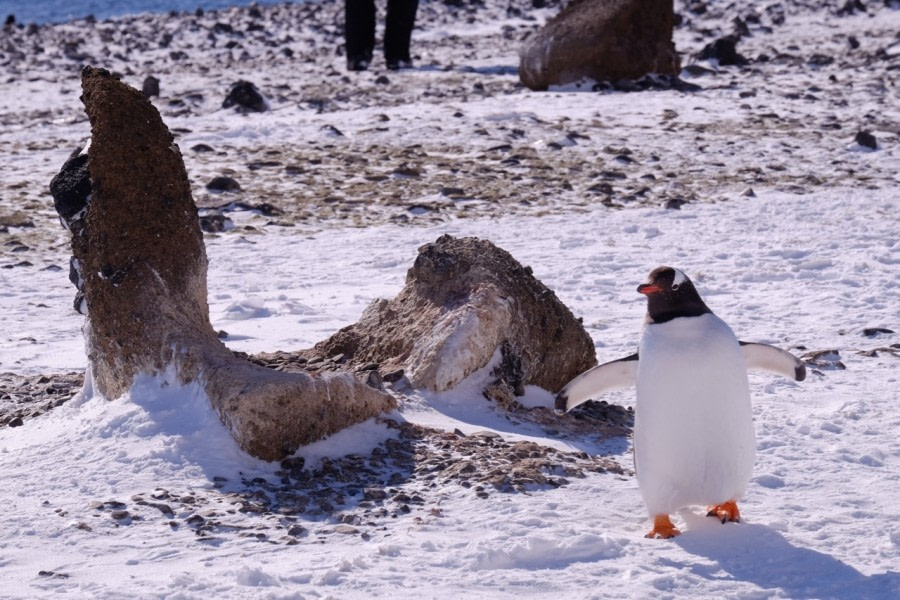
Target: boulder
{"points": [[147, 301], [601, 40], [245, 97], [464, 300]]}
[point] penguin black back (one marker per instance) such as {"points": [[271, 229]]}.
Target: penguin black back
{"points": [[671, 294]]}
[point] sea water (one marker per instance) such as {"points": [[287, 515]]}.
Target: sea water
{"points": [[58, 11]]}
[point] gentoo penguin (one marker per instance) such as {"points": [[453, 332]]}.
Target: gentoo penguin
{"points": [[694, 440]]}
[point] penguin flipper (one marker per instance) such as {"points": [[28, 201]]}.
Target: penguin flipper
{"points": [[764, 357], [613, 375]]}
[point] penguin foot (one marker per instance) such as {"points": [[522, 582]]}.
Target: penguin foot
{"points": [[727, 511], [662, 528]]}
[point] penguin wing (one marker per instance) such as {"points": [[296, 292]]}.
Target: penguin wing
{"points": [[763, 357], [613, 375]]}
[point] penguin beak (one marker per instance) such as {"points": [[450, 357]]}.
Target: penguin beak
{"points": [[649, 288]]}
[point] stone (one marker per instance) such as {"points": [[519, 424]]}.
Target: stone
{"points": [[245, 97], [147, 302], [601, 40], [71, 188], [150, 86], [724, 51], [866, 140], [223, 184], [465, 300]]}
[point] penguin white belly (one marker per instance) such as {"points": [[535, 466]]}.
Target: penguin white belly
{"points": [[694, 439]]}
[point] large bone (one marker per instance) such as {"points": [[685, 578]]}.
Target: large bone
{"points": [[141, 255]]}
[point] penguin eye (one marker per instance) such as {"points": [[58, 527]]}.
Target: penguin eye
{"points": [[675, 287]]}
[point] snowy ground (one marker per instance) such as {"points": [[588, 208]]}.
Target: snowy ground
{"points": [[809, 264]]}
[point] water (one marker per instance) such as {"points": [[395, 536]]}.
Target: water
{"points": [[58, 11]]}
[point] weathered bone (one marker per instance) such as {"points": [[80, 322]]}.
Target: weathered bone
{"points": [[143, 263], [464, 299]]}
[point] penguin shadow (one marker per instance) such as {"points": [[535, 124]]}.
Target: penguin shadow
{"points": [[761, 556]]}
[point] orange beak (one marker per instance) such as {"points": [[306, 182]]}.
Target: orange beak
{"points": [[649, 288]]}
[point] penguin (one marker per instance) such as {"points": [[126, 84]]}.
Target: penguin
{"points": [[694, 440]]}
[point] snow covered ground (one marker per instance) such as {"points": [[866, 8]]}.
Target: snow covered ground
{"points": [[808, 272]]}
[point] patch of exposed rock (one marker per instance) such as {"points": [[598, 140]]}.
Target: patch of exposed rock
{"points": [[362, 495]]}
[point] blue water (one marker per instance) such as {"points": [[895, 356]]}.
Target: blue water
{"points": [[58, 11]]}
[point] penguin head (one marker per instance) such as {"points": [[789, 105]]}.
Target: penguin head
{"points": [[670, 294]]}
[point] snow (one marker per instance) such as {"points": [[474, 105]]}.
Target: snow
{"points": [[814, 269]]}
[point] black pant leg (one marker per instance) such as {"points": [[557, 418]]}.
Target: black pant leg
{"points": [[359, 28], [401, 16]]}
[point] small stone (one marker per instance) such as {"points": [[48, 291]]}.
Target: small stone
{"points": [[245, 97], [120, 515], [724, 51], [374, 494], [346, 529], [223, 184], [867, 140], [868, 332], [150, 86], [393, 376]]}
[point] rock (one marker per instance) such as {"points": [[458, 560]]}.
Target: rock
{"points": [[147, 302], [245, 97], [150, 87], [876, 331], [71, 187], [464, 300], [866, 140], [724, 51], [602, 40], [223, 184], [827, 360]]}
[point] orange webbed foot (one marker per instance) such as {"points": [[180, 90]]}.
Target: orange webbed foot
{"points": [[662, 528], [727, 511]]}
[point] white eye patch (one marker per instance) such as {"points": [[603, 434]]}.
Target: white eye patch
{"points": [[678, 279]]}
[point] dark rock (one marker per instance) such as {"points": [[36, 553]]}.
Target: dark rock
{"points": [[724, 51], [202, 148], [150, 87], [71, 187], [602, 40], [464, 299], [214, 222], [675, 203], [331, 131], [876, 331], [866, 139], [851, 7], [245, 97], [223, 184]]}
